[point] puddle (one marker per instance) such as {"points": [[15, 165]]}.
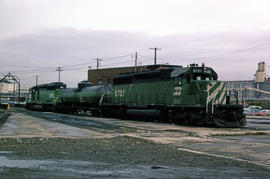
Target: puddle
{"points": [[6, 162], [67, 130], [259, 121], [73, 120], [87, 169], [3, 118], [80, 167], [45, 164], [248, 138], [21, 125], [258, 124], [9, 128], [6, 152]]}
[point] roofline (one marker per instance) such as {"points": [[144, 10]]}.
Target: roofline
{"points": [[241, 81], [5, 81], [158, 65], [45, 84], [144, 72]]}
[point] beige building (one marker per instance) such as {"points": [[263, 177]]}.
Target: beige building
{"points": [[7, 87], [261, 72]]}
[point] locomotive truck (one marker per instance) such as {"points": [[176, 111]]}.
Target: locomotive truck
{"points": [[190, 95]]}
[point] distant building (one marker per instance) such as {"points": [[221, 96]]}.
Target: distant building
{"points": [[10, 91], [261, 72], [7, 87], [259, 88], [7, 90], [239, 89], [105, 76]]}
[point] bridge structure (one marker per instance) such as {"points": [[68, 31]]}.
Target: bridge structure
{"points": [[248, 94], [11, 96]]}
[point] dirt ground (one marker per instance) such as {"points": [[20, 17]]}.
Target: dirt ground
{"points": [[42, 145]]}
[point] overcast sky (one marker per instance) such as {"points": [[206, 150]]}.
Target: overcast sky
{"points": [[37, 36]]}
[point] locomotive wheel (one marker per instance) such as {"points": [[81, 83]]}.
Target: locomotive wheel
{"points": [[95, 113], [164, 115]]}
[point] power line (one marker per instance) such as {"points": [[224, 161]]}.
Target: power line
{"points": [[144, 56], [145, 61], [76, 69], [229, 52], [112, 58], [19, 66], [127, 61], [49, 69], [80, 64]]}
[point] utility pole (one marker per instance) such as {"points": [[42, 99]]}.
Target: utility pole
{"points": [[98, 62], [36, 80], [14, 88], [19, 90], [155, 57], [1, 92], [136, 61], [59, 69]]}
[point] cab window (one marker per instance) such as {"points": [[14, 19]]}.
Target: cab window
{"points": [[188, 78], [177, 81]]}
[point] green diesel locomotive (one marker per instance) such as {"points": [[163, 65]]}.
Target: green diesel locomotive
{"points": [[42, 97], [178, 94], [56, 97], [186, 95]]}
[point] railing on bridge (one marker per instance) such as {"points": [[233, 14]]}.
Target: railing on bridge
{"points": [[248, 93]]}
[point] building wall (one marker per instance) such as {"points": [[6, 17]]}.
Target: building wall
{"points": [[260, 76], [265, 86], [105, 76], [239, 87], [7, 87], [261, 72], [242, 87], [7, 93]]}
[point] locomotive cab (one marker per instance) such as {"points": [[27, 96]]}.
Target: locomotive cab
{"points": [[193, 73], [41, 97], [199, 91]]}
